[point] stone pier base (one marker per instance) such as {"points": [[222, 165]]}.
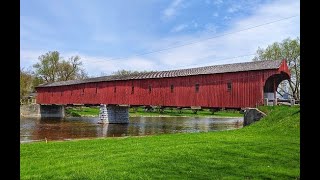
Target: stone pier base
{"points": [[52, 111], [42, 111], [114, 114], [30, 110]]}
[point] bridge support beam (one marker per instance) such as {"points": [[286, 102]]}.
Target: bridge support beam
{"points": [[52, 111], [114, 114]]}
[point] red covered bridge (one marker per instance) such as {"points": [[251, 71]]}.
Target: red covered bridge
{"points": [[222, 86]]}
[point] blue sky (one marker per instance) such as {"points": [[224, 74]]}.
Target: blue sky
{"points": [[110, 35]]}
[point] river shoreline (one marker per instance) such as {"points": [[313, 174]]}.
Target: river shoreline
{"points": [[140, 112], [209, 116]]}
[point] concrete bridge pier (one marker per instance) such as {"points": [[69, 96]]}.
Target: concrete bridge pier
{"points": [[52, 111], [114, 114]]}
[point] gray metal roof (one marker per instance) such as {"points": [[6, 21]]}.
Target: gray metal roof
{"points": [[225, 68]]}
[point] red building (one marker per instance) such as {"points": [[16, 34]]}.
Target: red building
{"points": [[222, 86]]}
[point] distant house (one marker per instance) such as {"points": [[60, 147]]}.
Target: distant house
{"points": [[29, 99]]}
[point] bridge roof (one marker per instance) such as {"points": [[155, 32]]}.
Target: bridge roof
{"points": [[225, 68]]}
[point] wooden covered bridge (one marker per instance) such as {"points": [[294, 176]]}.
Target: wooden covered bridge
{"points": [[234, 86]]}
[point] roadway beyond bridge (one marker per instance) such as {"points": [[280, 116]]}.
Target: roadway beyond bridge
{"points": [[229, 86]]}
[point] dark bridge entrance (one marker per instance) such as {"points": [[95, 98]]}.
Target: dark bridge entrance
{"points": [[272, 84]]}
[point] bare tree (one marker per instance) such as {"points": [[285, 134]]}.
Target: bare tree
{"points": [[52, 67], [71, 69], [129, 72]]}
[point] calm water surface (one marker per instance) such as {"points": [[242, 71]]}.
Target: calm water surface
{"points": [[35, 129]]}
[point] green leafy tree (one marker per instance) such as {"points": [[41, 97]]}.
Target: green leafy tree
{"points": [[52, 67], [288, 49], [36, 81], [26, 81]]}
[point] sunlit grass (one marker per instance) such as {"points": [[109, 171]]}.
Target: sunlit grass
{"points": [[267, 149], [94, 111]]}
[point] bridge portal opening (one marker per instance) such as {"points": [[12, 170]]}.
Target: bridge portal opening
{"points": [[272, 83]]}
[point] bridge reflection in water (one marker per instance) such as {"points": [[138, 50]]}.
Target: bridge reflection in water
{"points": [[35, 129]]}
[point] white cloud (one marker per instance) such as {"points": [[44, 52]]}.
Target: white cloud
{"points": [[179, 28], [195, 24], [139, 64], [97, 65], [209, 52], [94, 65], [171, 10], [29, 22], [216, 50], [31, 25], [29, 57], [217, 2], [104, 38], [185, 55], [211, 28], [236, 44], [234, 8], [270, 12], [102, 65], [37, 32], [226, 17]]}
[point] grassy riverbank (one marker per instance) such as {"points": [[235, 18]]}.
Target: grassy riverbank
{"points": [[268, 149], [94, 111]]}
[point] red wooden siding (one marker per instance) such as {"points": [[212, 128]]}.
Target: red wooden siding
{"points": [[246, 91]]}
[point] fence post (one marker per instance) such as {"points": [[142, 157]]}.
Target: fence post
{"points": [[275, 102], [292, 102]]}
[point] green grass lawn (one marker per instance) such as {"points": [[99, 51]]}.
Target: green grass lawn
{"points": [[94, 111], [82, 111], [267, 149]]}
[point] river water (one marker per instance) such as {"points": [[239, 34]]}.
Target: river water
{"points": [[36, 129]]}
